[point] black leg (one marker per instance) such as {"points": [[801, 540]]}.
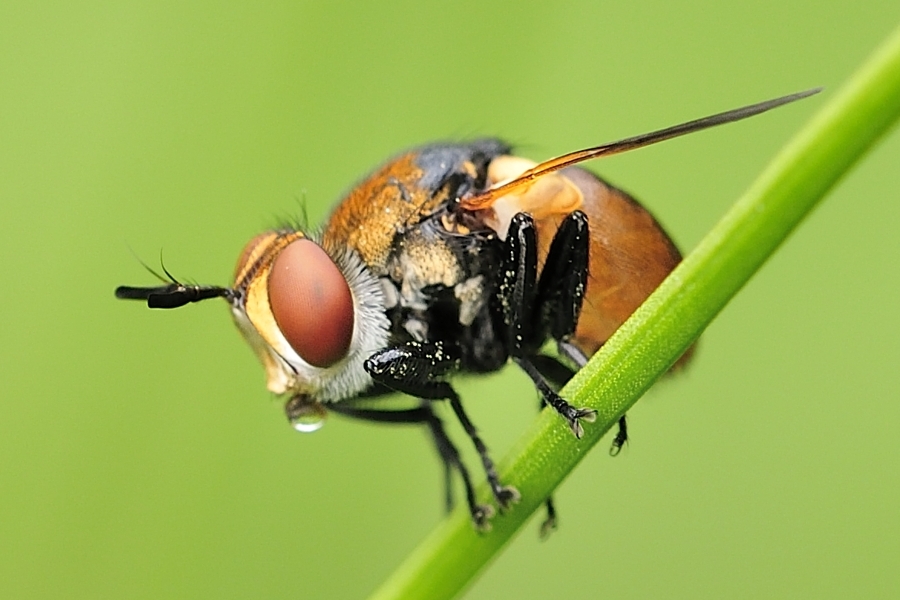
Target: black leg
{"points": [[559, 375], [572, 415], [520, 293], [505, 495], [577, 357], [554, 371], [621, 438], [572, 352], [564, 278], [518, 285], [414, 368], [419, 369], [551, 521], [535, 308], [446, 449]]}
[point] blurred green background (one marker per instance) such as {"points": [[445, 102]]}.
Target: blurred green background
{"points": [[140, 455]]}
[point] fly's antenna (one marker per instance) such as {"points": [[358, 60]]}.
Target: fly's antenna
{"points": [[174, 294]]}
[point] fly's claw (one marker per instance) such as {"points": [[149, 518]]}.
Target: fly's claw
{"points": [[548, 526], [621, 438], [506, 496], [588, 415], [481, 516]]}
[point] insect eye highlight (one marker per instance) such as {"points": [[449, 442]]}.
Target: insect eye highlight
{"points": [[311, 302]]}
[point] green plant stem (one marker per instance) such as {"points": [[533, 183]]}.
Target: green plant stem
{"points": [[669, 322]]}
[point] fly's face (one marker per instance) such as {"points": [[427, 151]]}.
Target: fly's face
{"points": [[311, 314]]}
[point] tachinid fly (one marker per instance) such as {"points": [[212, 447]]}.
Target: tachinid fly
{"points": [[449, 258]]}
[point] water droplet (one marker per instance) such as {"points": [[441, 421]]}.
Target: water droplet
{"points": [[307, 423], [305, 415]]}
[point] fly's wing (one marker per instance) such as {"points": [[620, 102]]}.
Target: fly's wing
{"points": [[520, 183]]}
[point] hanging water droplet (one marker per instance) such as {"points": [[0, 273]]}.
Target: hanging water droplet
{"points": [[304, 414], [307, 423]]}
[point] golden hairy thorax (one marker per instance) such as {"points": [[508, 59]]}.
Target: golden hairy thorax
{"points": [[373, 212]]}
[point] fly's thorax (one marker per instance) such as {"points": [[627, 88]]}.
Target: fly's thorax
{"points": [[438, 286], [402, 224], [411, 188], [371, 216], [312, 313]]}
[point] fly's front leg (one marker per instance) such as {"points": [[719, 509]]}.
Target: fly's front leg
{"points": [[420, 415], [415, 368], [419, 369], [535, 308], [559, 374], [505, 495]]}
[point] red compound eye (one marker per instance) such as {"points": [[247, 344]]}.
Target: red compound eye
{"points": [[311, 303]]}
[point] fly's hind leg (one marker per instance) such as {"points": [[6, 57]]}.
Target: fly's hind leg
{"points": [[621, 437], [535, 308], [419, 369]]}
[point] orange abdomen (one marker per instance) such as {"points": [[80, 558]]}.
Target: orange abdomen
{"points": [[630, 257]]}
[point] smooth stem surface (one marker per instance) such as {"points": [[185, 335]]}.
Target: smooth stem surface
{"points": [[671, 319]]}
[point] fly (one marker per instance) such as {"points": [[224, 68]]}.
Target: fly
{"points": [[449, 258]]}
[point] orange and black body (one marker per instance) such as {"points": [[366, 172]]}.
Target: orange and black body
{"points": [[436, 264], [449, 258], [408, 226]]}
